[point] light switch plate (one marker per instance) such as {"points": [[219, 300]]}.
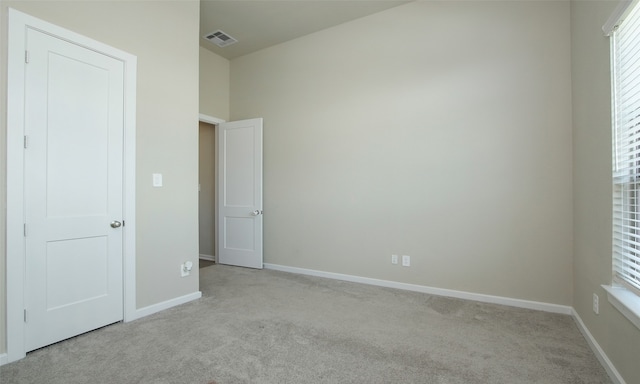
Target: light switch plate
{"points": [[406, 261]]}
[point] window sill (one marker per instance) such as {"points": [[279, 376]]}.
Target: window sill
{"points": [[625, 301]]}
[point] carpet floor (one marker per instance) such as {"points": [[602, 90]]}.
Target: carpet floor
{"points": [[273, 327]]}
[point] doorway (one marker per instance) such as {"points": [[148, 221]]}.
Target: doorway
{"points": [[207, 192], [230, 170]]}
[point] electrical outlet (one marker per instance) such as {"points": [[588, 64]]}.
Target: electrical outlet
{"points": [[394, 259], [406, 261], [157, 179], [596, 304], [185, 268]]}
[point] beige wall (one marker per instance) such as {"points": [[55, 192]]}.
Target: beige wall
{"points": [[436, 130], [592, 186], [214, 101], [448, 140], [162, 34], [214, 85], [207, 189]]}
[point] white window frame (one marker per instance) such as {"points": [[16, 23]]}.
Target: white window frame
{"points": [[624, 291]]}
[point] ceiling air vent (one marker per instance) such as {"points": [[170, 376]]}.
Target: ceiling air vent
{"points": [[220, 38]]}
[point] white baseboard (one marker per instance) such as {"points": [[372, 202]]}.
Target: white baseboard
{"points": [[151, 309], [546, 307], [207, 257], [613, 373], [3, 359]]}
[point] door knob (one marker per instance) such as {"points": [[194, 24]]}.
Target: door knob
{"points": [[116, 224], [256, 212]]}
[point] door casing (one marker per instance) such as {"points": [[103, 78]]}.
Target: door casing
{"points": [[215, 122], [18, 23]]}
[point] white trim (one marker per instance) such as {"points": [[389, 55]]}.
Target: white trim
{"points": [[207, 257], [216, 194], [613, 373], [617, 16], [625, 301], [18, 24], [546, 307], [210, 119], [15, 192], [3, 359], [155, 308], [214, 121]]}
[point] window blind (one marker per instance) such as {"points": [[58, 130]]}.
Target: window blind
{"points": [[625, 45]]}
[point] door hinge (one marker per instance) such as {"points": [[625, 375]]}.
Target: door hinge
{"points": [[26, 142], [123, 223], [25, 315], [24, 229], [26, 57]]}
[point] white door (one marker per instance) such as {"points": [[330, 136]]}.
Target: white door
{"points": [[240, 193], [73, 189]]}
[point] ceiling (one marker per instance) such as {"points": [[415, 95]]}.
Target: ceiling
{"points": [[259, 24]]}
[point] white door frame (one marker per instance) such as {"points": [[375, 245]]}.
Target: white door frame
{"points": [[210, 119], [18, 23], [215, 122]]}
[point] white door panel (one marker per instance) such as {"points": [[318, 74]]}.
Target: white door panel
{"points": [[87, 255], [73, 189], [239, 178], [240, 193]]}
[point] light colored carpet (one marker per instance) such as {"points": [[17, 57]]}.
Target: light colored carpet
{"points": [[273, 327]]}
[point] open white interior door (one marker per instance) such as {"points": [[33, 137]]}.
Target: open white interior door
{"points": [[240, 193]]}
